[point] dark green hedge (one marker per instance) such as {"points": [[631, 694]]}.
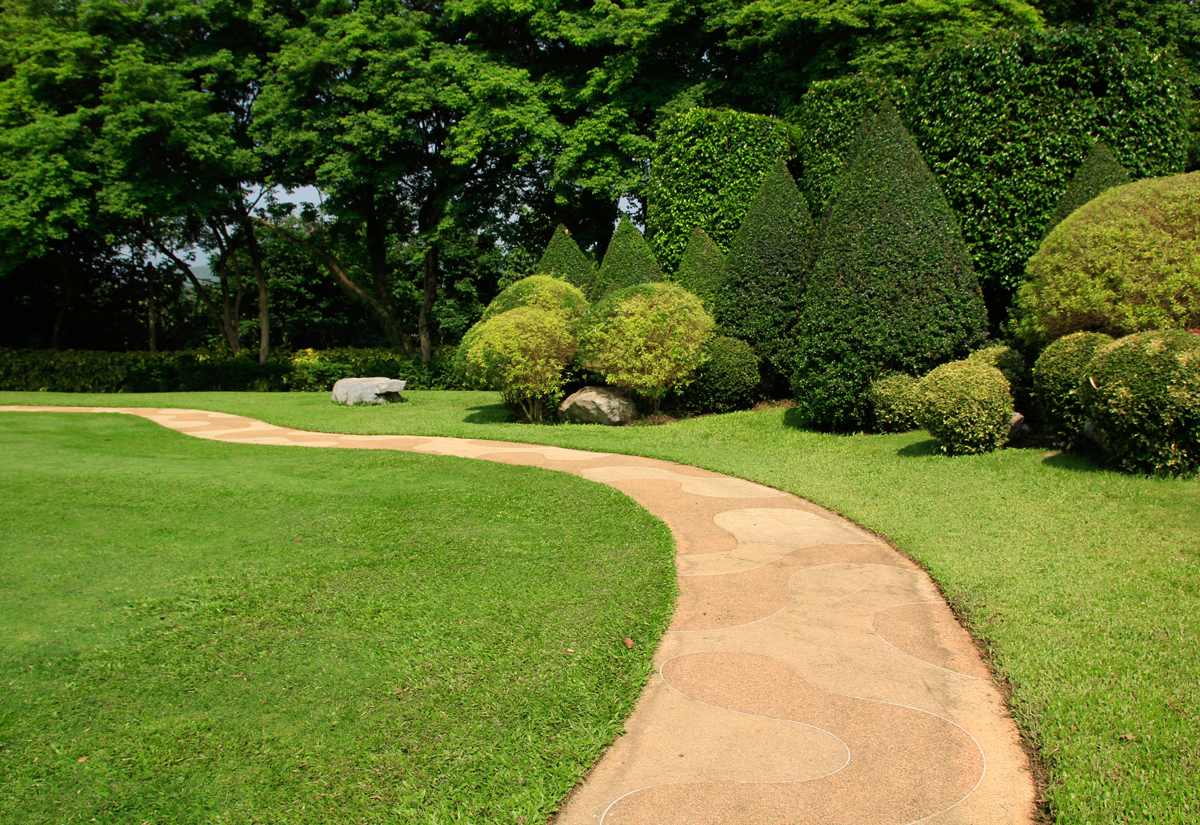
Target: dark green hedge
{"points": [[628, 261], [199, 370], [1099, 172], [892, 289], [707, 166], [1004, 121], [564, 259], [764, 272]]}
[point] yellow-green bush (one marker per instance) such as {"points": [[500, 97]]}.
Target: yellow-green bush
{"points": [[1056, 376], [895, 403], [522, 354], [966, 405], [648, 338], [1142, 394], [1012, 364], [1124, 262], [553, 295]]}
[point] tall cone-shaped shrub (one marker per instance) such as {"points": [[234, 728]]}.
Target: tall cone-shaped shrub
{"points": [[628, 261], [1099, 172], [565, 260], [702, 268], [892, 289], [770, 257]]}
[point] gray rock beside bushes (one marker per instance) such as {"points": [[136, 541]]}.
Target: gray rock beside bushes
{"points": [[367, 390], [598, 405]]}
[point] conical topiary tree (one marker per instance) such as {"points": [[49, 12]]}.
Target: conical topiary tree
{"points": [[892, 289], [1099, 172], [564, 259], [628, 261], [767, 263], [702, 268]]}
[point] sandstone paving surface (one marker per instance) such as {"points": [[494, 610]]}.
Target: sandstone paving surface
{"points": [[811, 673]]}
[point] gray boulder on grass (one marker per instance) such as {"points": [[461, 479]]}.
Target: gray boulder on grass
{"points": [[598, 405], [367, 390]]}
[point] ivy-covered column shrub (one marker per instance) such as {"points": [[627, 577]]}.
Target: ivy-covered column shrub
{"points": [[764, 272], [892, 289], [1005, 120], [648, 338], [706, 167]]}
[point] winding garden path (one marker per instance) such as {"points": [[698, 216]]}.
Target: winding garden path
{"points": [[811, 673]]}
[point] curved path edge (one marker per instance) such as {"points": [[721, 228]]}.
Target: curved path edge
{"points": [[811, 673]]}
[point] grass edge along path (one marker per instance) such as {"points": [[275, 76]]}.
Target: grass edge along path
{"points": [[253, 634], [1084, 583]]}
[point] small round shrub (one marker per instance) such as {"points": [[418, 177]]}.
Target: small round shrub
{"points": [[895, 403], [521, 353], [1056, 377], [966, 406], [1126, 261], [553, 295], [1142, 394], [1012, 364], [646, 338], [728, 379]]}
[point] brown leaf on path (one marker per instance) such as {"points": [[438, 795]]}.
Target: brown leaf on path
{"points": [[628, 643]]}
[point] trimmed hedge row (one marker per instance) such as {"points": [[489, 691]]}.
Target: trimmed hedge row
{"points": [[201, 370]]}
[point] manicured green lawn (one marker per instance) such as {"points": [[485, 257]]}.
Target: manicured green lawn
{"points": [[196, 632], [1084, 582]]}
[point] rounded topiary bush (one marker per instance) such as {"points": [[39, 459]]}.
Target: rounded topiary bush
{"points": [[1012, 364], [544, 292], [966, 406], [647, 338], [728, 380], [1142, 394], [896, 403], [521, 353], [1126, 261], [1056, 377]]}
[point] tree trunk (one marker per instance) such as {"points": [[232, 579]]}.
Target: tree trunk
{"points": [[387, 320], [68, 292], [214, 313], [429, 292], [151, 309], [260, 276]]}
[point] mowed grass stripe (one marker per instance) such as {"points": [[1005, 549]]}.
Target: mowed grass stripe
{"points": [[206, 632]]}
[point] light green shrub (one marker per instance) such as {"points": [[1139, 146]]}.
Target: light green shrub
{"points": [[966, 406], [553, 295], [522, 354], [1142, 394], [895, 403], [647, 338], [1056, 376], [1012, 364], [1124, 262]]}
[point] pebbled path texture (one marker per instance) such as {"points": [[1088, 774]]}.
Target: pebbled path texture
{"points": [[811, 673]]}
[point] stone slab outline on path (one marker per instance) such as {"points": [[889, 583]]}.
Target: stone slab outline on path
{"points": [[811, 673]]}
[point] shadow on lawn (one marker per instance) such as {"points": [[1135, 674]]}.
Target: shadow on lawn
{"points": [[919, 448], [488, 414]]}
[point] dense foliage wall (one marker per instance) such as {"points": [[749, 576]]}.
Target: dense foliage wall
{"points": [[1005, 120], [706, 167]]}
